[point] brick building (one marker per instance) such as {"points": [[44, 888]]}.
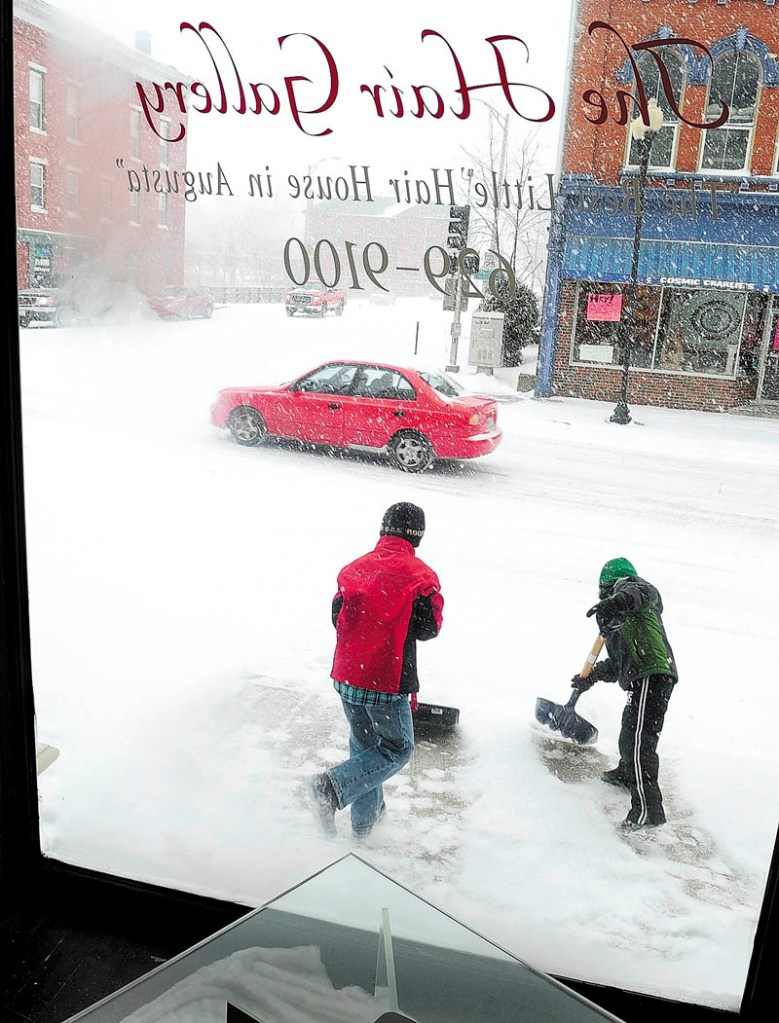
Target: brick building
{"points": [[405, 231], [75, 116], [705, 330]]}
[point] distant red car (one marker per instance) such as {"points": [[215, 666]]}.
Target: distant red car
{"points": [[315, 300], [179, 303], [411, 415]]}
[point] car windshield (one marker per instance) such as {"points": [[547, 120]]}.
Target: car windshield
{"points": [[443, 384], [313, 286]]}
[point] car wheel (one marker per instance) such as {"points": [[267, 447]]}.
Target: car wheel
{"points": [[24, 320], [411, 452], [290, 312], [247, 426], [63, 317], [208, 312], [339, 310]]}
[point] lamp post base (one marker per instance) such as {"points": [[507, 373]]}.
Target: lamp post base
{"points": [[621, 413]]}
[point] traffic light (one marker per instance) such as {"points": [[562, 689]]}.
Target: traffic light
{"points": [[458, 227], [471, 263]]}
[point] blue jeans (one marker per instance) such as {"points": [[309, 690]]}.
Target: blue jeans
{"points": [[381, 741]]}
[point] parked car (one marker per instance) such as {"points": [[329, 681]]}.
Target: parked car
{"points": [[315, 300], [180, 303], [413, 416], [46, 305]]}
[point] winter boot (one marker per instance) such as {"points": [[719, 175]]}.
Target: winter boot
{"points": [[616, 777], [629, 825], [360, 833], [324, 802]]}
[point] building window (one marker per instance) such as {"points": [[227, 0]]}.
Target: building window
{"points": [[71, 112], [37, 186], [599, 310], [164, 143], [734, 80], [71, 192], [135, 134], [700, 331], [663, 152], [106, 198], [677, 330], [37, 120], [163, 210]]}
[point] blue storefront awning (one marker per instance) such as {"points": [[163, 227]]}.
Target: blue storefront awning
{"points": [[673, 262]]}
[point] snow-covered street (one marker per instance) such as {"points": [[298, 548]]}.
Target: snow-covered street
{"points": [[180, 590]]}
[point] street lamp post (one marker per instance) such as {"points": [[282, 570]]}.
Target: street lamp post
{"points": [[644, 135]]}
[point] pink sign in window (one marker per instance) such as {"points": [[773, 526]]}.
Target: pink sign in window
{"points": [[604, 307]]}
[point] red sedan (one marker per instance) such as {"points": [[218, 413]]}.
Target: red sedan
{"points": [[411, 415], [178, 303]]}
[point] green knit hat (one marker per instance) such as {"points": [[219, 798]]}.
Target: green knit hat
{"points": [[617, 568]]}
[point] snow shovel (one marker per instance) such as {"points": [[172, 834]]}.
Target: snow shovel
{"points": [[433, 717], [563, 718]]}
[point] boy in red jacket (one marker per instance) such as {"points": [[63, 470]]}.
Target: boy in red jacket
{"points": [[386, 601]]}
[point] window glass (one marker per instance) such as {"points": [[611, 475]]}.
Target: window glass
{"points": [[379, 382], [701, 330], [683, 330], [735, 80], [36, 99], [71, 184], [335, 379], [37, 185], [72, 103], [445, 385], [600, 310], [188, 516], [662, 153]]}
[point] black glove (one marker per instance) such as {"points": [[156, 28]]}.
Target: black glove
{"points": [[605, 610], [580, 684]]}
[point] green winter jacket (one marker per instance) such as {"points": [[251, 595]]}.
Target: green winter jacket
{"points": [[636, 643]]}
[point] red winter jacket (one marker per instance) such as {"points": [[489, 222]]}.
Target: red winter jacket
{"points": [[386, 600]]}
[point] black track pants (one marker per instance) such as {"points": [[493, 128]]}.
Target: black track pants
{"points": [[642, 722]]}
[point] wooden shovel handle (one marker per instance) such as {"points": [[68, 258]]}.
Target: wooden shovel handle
{"points": [[592, 656]]}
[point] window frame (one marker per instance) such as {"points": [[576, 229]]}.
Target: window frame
{"points": [[36, 70], [72, 117], [36, 161], [675, 123], [739, 127], [72, 176], [136, 115]]}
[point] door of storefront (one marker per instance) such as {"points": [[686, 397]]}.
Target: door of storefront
{"points": [[769, 390]]}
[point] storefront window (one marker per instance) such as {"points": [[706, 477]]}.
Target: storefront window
{"points": [[682, 330], [599, 311], [700, 331]]}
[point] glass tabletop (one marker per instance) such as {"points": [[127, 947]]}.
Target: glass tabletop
{"points": [[348, 945]]}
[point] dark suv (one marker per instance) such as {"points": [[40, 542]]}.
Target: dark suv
{"points": [[47, 305]]}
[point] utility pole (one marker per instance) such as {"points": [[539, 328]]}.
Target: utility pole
{"points": [[459, 217]]}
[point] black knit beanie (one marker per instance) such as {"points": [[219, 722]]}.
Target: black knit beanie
{"points": [[406, 520]]}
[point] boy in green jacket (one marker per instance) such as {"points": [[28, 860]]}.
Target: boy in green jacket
{"points": [[640, 659]]}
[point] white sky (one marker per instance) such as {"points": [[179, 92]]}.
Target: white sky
{"points": [[363, 45]]}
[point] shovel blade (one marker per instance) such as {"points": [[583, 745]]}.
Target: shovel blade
{"points": [[434, 716], [565, 720]]}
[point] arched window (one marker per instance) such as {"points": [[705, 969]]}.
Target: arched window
{"points": [[734, 80], [663, 152]]}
